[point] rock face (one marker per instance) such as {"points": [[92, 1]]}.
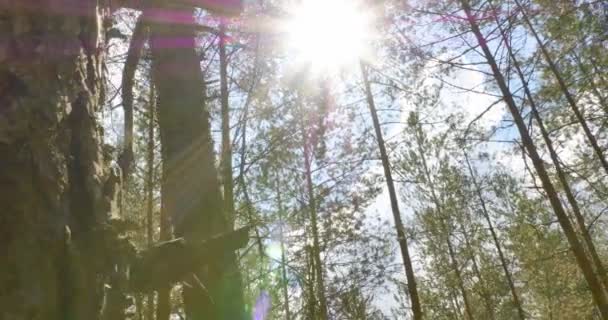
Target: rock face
{"points": [[55, 186]]}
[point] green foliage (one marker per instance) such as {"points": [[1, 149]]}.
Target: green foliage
{"points": [[424, 54]]}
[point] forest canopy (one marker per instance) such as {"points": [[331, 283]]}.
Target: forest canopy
{"points": [[303, 159]]}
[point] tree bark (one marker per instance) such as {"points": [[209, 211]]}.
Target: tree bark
{"points": [[191, 190], [401, 237], [163, 307], [55, 182], [501, 255], [584, 264], [442, 217]]}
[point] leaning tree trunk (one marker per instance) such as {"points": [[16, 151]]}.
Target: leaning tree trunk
{"points": [[401, 236], [55, 186], [314, 226], [597, 149], [442, 216], [190, 185], [582, 260], [561, 174], [501, 256], [485, 294]]}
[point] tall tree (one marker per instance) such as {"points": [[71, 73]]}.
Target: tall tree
{"points": [[226, 157], [443, 220], [497, 244], [284, 280], [401, 236], [314, 225], [563, 179], [575, 244], [564, 88], [191, 189]]}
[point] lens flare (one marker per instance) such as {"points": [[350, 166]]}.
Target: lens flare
{"points": [[329, 35], [262, 306], [273, 250]]}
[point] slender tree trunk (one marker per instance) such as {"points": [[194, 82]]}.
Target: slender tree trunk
{"points": [[578, 250], [485, 294], [564, 88], [284, 281], [401, 237], [128, 80], [226, 159], [455, 303], [191, 190], [501, 255], [312, 301], [244, 189], [454, 263], [442, 217], [316, 246], [579, 218], [125, 159], [150, 188], [163, 307], [243, 154]]}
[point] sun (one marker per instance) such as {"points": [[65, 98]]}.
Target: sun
{"points": [[329, 35]]}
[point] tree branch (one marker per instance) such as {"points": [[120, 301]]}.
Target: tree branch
{"points": [[170, 261]]}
